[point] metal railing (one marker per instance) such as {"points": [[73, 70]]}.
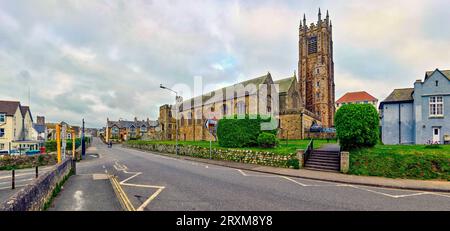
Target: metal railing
{"points": [[309, 150]]}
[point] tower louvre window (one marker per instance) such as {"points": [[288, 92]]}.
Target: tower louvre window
{"points": [[312, 45]]}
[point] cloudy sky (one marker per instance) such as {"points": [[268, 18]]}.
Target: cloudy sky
{"points": [[98, 59]]}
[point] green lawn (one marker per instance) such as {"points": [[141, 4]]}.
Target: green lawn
{"points": [[402, 161], [282, 148]]}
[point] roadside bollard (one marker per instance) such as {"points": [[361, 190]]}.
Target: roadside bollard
{"points": [[37, 172], [13, 183]]}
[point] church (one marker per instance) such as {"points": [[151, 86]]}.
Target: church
{"points": [[303, 99]]}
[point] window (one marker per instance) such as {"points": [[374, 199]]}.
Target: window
{"points": [[2, 146], [143, 128], [312, 45], [437, 83], [115, 130], [224, 109], [366, 102], [2, 118], [240, 108], [317, 95], [2, 132], [318, 84], [436, 106]]}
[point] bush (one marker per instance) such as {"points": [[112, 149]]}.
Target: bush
{"points": [[241, 132], [267, 140], [357, 125]]}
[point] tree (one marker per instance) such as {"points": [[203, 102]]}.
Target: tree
{"points": [[357, 125]]}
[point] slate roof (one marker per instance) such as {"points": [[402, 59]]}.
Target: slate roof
{"points": [[24, 109], [212, 98], [40, 128], [356, 97], [128, 124], [399, 95], [285, 84], [9, 107], [446, 73]]}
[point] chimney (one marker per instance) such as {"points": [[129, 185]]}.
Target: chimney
{"points": [[135, 119]]}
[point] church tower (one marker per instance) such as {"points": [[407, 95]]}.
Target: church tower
{"points": [[316, 68]]}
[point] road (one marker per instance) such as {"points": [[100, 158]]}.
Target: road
{"points": [[22, 178], [155, 182]]}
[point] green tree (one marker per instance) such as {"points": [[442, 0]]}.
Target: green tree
{"points": [[357, 125]]}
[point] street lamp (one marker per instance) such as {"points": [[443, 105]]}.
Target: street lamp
{"points": [[176, 115]]}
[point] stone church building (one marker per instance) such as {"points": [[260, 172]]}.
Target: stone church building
{"points": [[301, 100]]}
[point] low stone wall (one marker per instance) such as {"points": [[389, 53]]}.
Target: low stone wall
{"points": [[23, 161], [243, 156], [320, 135], [34, 196]]}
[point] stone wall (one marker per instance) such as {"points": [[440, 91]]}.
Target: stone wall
{"points": [[34, 196], [23, 161], [243, 156], [320, 135]]}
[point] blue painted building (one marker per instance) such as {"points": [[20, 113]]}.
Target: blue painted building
{"points": [[418, 115]]}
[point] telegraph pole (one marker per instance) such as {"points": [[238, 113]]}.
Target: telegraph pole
{"points": [[83, 145]]}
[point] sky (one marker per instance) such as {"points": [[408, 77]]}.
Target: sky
{"points": [[98, 59]]}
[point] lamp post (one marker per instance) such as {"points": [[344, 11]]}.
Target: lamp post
{"points": [[176, 116]]}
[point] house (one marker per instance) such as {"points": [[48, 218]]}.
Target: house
{"points": [[125, 130], [418, 115], [39, 132], [51, 131], [358, 97], [16, 128]]}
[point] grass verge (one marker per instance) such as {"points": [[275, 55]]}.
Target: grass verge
{"points": [[402, 161]]}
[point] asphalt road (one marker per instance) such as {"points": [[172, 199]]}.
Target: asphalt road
{"points": [[22, 178], [155, 182]]}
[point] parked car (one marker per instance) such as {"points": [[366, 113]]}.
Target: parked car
{"points": [[329, 130], [315, 128]]}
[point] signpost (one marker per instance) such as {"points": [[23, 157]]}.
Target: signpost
{"points": [[211, 125], [64, 140], [58, 142]]}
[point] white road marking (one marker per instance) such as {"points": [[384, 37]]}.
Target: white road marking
{"points": [[306, 185], [124, 168], [79, 202], [9, 182]]}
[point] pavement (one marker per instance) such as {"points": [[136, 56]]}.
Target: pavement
{"points": [[146, 181], [89, 189], [23, 177]]}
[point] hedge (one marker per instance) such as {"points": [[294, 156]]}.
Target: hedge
{"points": [[357, 125], [239, 132]]}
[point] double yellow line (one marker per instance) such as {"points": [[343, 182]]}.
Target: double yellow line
{"points": [[121, 195]]}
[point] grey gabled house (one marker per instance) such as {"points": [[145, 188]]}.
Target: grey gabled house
{"points": [[419, 115]]}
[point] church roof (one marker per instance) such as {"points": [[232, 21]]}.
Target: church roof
{"points": [[211, 97], [285, 84]]}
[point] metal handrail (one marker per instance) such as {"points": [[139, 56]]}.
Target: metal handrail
{"points": [[309, 150]]}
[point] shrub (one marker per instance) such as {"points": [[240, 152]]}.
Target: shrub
{"points": [[267, 140], [241, 132], [357, 125]]}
